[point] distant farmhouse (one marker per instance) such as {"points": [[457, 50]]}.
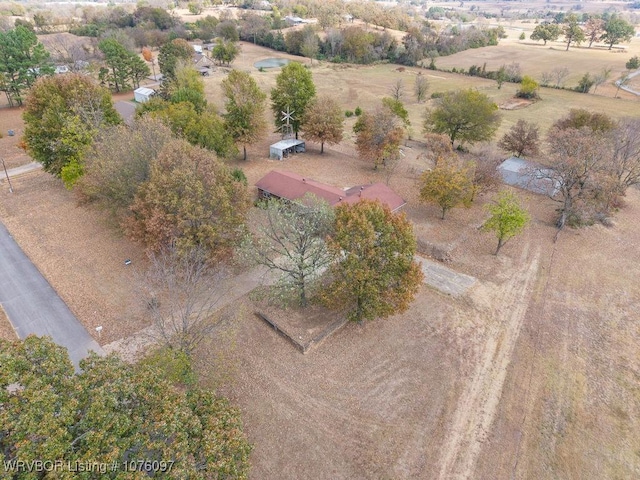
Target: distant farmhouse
{"points": [[291, 186]]}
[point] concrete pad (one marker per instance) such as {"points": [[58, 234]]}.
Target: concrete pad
{"points": [[444, 279]]}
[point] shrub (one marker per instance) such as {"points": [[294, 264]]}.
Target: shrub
{"points": [[348, 113], [358, 111], [633, 63], [437, 94]]}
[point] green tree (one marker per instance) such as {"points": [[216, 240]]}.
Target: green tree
{"points": [[195, 8], [507, 219], [112, 412], [448, 185], [293, 91], [62, 116], [398, 109], [245, 105], [190, 200], [572, 31], [522, 36], [528, 88], [585, 83], [464, 115], [187, 86], [617, 30], [22, 61], [169, 55], [376, 274], [522, 140], [633, 63], [323, 122], [124, 68], [546, 32], [206, 129], [225, 51], [292, 243]]}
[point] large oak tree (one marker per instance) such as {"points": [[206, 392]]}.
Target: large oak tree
{"points": [[22, 61], [111, 413], [190, 200], [293, 92], [467, 116], [62, 115], [245, 105], [376, 274], [323, 122]]}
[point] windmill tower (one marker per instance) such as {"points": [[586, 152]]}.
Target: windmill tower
{"points": [[286, 127]]}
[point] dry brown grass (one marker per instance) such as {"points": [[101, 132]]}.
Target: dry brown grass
{"points": [[6, 329]]}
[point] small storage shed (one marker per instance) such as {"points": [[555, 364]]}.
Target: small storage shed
{"points": [[284, 148], [143, 94], [521, 173]]}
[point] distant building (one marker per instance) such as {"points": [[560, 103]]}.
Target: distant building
{"points": [[294, 20], [291, 186]]}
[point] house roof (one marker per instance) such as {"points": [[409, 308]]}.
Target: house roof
{"points": [[292, 186], [375, 191], [144, 91]]}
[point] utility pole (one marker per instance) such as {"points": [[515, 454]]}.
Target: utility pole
{"points": [[7, 175]]}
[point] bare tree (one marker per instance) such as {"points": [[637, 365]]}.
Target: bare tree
{"points": [[626, 153], [560, 75], [577, 171], [622, 82], [601, 77], [420, 87], [397, 90], [292, 242], [182, 292]]}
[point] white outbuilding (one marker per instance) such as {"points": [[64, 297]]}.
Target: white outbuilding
{"points": [[143, 94]]}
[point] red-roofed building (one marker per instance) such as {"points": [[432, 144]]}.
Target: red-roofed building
{"points": [[291, 186]]}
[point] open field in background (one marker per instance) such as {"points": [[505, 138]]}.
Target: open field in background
{"points": [[533, 374]]}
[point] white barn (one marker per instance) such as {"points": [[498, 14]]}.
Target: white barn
{"points": [[143, 94]]}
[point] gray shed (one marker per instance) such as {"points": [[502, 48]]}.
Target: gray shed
{"points": [[284, 148], [518, 172]]}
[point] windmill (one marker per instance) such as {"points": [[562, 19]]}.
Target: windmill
{"points": [[286, 127]]}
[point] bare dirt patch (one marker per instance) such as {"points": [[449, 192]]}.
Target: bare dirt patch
{"points": [[305, 328], [515, 104]]}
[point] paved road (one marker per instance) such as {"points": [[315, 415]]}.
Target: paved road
{"points": [[33, 306]]}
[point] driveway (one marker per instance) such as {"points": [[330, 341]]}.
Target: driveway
{"points": [[33, 306]]}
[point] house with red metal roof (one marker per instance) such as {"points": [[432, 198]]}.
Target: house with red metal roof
{"points": [[291, 186]]}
